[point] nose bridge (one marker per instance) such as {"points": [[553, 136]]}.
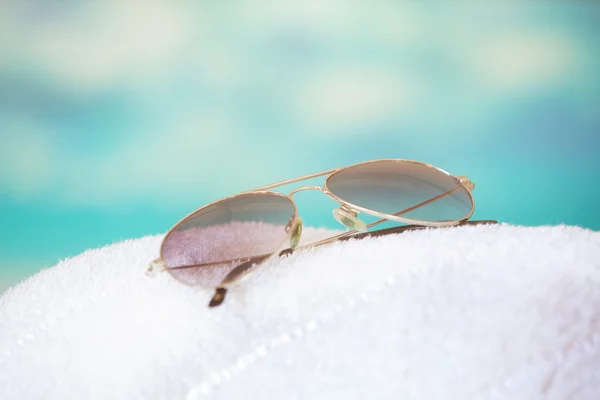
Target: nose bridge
{"points": [[304, 188]]}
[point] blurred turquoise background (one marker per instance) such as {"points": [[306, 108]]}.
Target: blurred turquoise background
{"points": [[118, 118]]}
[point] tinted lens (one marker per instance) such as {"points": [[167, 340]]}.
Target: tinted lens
{"points": [[245, 226], [394, 186]]}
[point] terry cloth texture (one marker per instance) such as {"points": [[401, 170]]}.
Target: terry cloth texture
{"points": [[474, 312]]}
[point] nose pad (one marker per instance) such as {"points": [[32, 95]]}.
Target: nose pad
{"points": [[295, 227], [349, 219]]}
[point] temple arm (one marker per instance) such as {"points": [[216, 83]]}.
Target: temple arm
{"points": [[341, 237]]}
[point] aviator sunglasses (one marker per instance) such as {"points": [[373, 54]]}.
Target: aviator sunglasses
{"points": [[219, 244]]}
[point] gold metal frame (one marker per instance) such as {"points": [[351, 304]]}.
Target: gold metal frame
{"points": [[347, 216]]}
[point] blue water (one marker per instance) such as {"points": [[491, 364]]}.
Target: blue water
{"points": [[107, 134]]}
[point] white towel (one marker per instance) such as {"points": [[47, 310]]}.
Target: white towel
{"points": [[488, 312]]}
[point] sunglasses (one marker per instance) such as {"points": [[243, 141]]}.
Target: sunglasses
{"points": [[218, 245]]}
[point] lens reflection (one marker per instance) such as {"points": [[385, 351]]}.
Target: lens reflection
{"points": [[245, 226]]}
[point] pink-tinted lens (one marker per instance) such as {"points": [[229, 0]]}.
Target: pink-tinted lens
{"points": [[392, 187], [230, 230]]}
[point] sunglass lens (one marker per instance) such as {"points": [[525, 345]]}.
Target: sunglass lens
{"points": [[412, 190], [224, 235]]}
